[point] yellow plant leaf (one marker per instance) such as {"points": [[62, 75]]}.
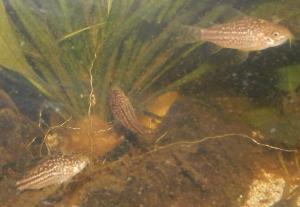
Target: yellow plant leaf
{"points": [[11, 54]]}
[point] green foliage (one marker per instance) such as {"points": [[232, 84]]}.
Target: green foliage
{"points": [[63, 47], [283, 12], [272, 9], [289, 78], [12, 56], [280, 129]]}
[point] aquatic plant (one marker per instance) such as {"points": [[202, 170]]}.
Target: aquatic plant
{"points": [[73, 51], [289, 78]]}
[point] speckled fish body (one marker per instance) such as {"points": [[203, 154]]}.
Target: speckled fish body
{"points": [[55, 170], [123, 111], [246, 34]]}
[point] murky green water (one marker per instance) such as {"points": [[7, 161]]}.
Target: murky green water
{"points": [[197, 124]]}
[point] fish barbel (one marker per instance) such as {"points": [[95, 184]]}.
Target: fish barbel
{"points": [[246, 34], [55, 170]]}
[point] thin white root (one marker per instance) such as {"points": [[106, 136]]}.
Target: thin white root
{"points": [[224, 136], [92, 97], [50, 129]]}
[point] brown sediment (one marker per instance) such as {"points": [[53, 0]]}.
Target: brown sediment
{"points": [[213, 173], [7, 102], [90, 135], [16, 132]]}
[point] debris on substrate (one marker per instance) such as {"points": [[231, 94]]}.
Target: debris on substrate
{"points": [[230, 170], [16, 134]]}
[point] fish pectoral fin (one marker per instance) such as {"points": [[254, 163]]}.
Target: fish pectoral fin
{"points": [[241, 56], [212, 48]]}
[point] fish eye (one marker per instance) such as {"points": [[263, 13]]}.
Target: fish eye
{"points": [[275, 34]]}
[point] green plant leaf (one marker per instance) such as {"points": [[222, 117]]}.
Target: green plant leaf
{"points": [[289, 78], [12, 56]]}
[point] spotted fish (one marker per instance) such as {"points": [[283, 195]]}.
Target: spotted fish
{"points": [[246, 34], [55, 170], [123, 111]]}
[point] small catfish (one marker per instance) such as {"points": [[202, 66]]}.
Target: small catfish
{"points": [[123, 111], [246, 34], [55, 170]]}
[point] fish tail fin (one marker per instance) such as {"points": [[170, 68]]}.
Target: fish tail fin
{"points": [[186, 34]]}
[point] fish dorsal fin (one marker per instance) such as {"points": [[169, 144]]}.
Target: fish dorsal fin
{"points": [[246, 17], [276, 19], [218, 15]]}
